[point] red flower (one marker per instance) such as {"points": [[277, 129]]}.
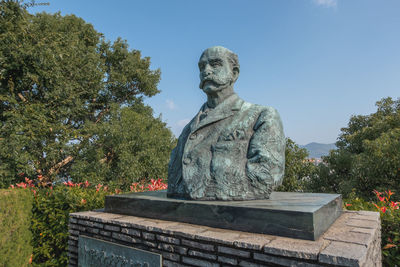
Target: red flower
{"points": [[98, 187], [348, 205], [394, 205], [377, 193]]}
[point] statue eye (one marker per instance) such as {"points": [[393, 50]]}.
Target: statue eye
{"points": [[216, 63]]}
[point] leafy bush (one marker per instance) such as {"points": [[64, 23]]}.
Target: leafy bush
{"points": [[15, 220], [390, 220], [298, 169], [51, 209], [50, 216]]}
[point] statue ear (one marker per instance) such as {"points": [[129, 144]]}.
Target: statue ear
{"points": [[235, 73]]}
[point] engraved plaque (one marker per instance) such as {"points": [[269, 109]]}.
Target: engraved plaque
{"points": [[95, 252]]}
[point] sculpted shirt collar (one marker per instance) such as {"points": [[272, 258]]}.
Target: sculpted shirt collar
{"points": [[225, 109]]}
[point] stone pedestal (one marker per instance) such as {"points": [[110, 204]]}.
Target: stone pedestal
{"points": [[296, 215], [352, 240]]}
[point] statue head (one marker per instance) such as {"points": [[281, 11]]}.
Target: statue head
{"points": [[219, 69]]}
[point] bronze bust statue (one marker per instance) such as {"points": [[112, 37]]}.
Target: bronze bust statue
{"points": [[231, 150]]}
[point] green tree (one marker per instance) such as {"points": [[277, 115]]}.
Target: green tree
{"points": [[368, 155], [298, 169], [60, 81], [134, 146]]}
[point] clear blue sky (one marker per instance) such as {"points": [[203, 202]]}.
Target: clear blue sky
{"points": [[316, 61]]}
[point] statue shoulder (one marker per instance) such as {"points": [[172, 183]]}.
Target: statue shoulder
{"points": [[263, 111], [264, 114]]}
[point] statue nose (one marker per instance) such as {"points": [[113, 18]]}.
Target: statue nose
{"points": [[207, 70]]}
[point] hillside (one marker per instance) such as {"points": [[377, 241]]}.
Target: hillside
{"points": [[317, 150]]}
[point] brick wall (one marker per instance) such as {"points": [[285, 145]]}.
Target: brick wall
{"points": [[353, 240]]}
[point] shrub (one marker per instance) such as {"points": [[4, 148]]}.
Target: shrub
{"points": [[51, 210], [390, 220], [15, 219]]}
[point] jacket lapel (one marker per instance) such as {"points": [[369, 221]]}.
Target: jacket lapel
{"points": [[226, 109]]}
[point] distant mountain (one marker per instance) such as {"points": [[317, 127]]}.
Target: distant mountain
{"points": [[317, 150]]}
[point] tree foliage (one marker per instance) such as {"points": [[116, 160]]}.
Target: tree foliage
{"points": [[368, 155], [61, 86], [298, 169]]}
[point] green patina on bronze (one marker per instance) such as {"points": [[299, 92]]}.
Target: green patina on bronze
{"points": [[231, 150]]}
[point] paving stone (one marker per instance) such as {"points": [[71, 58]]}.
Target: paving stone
{"points": [[198, 245], [85, 223], [227, 260], [148, 236], [362, 223], [72, 242], [73, 237], [98, 225], [351, 237], [220, 236], [200, 263], [73, 226], [345, 254], [375, 216], [282, 261], [167, 247], [125, 238], [150, 244], [93, 230], [168, 239], [130, 231], [73, 232], [84, 214], [105, 233], [202, 255], [129, 221], [233, 251], [171, 256], [167, 263], [73, 249], [182, 250], [81, 228], [249, 264], [185, 230], [102, 216], [157, 226], [253, 241], [364, 230], [296, 248], [113, 228]]}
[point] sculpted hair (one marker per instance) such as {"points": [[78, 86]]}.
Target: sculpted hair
{"points": [[234, 60]]}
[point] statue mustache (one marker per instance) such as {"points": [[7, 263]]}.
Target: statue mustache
{"points": [[214, 79]]}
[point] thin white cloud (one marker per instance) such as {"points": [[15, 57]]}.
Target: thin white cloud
{"points": [[183, 122], [170, 104], [326, 3]]}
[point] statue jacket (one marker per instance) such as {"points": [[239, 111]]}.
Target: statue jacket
{"points": [[235, 151]]}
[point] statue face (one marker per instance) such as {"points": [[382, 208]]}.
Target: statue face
{"points": [[215, 70]]}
